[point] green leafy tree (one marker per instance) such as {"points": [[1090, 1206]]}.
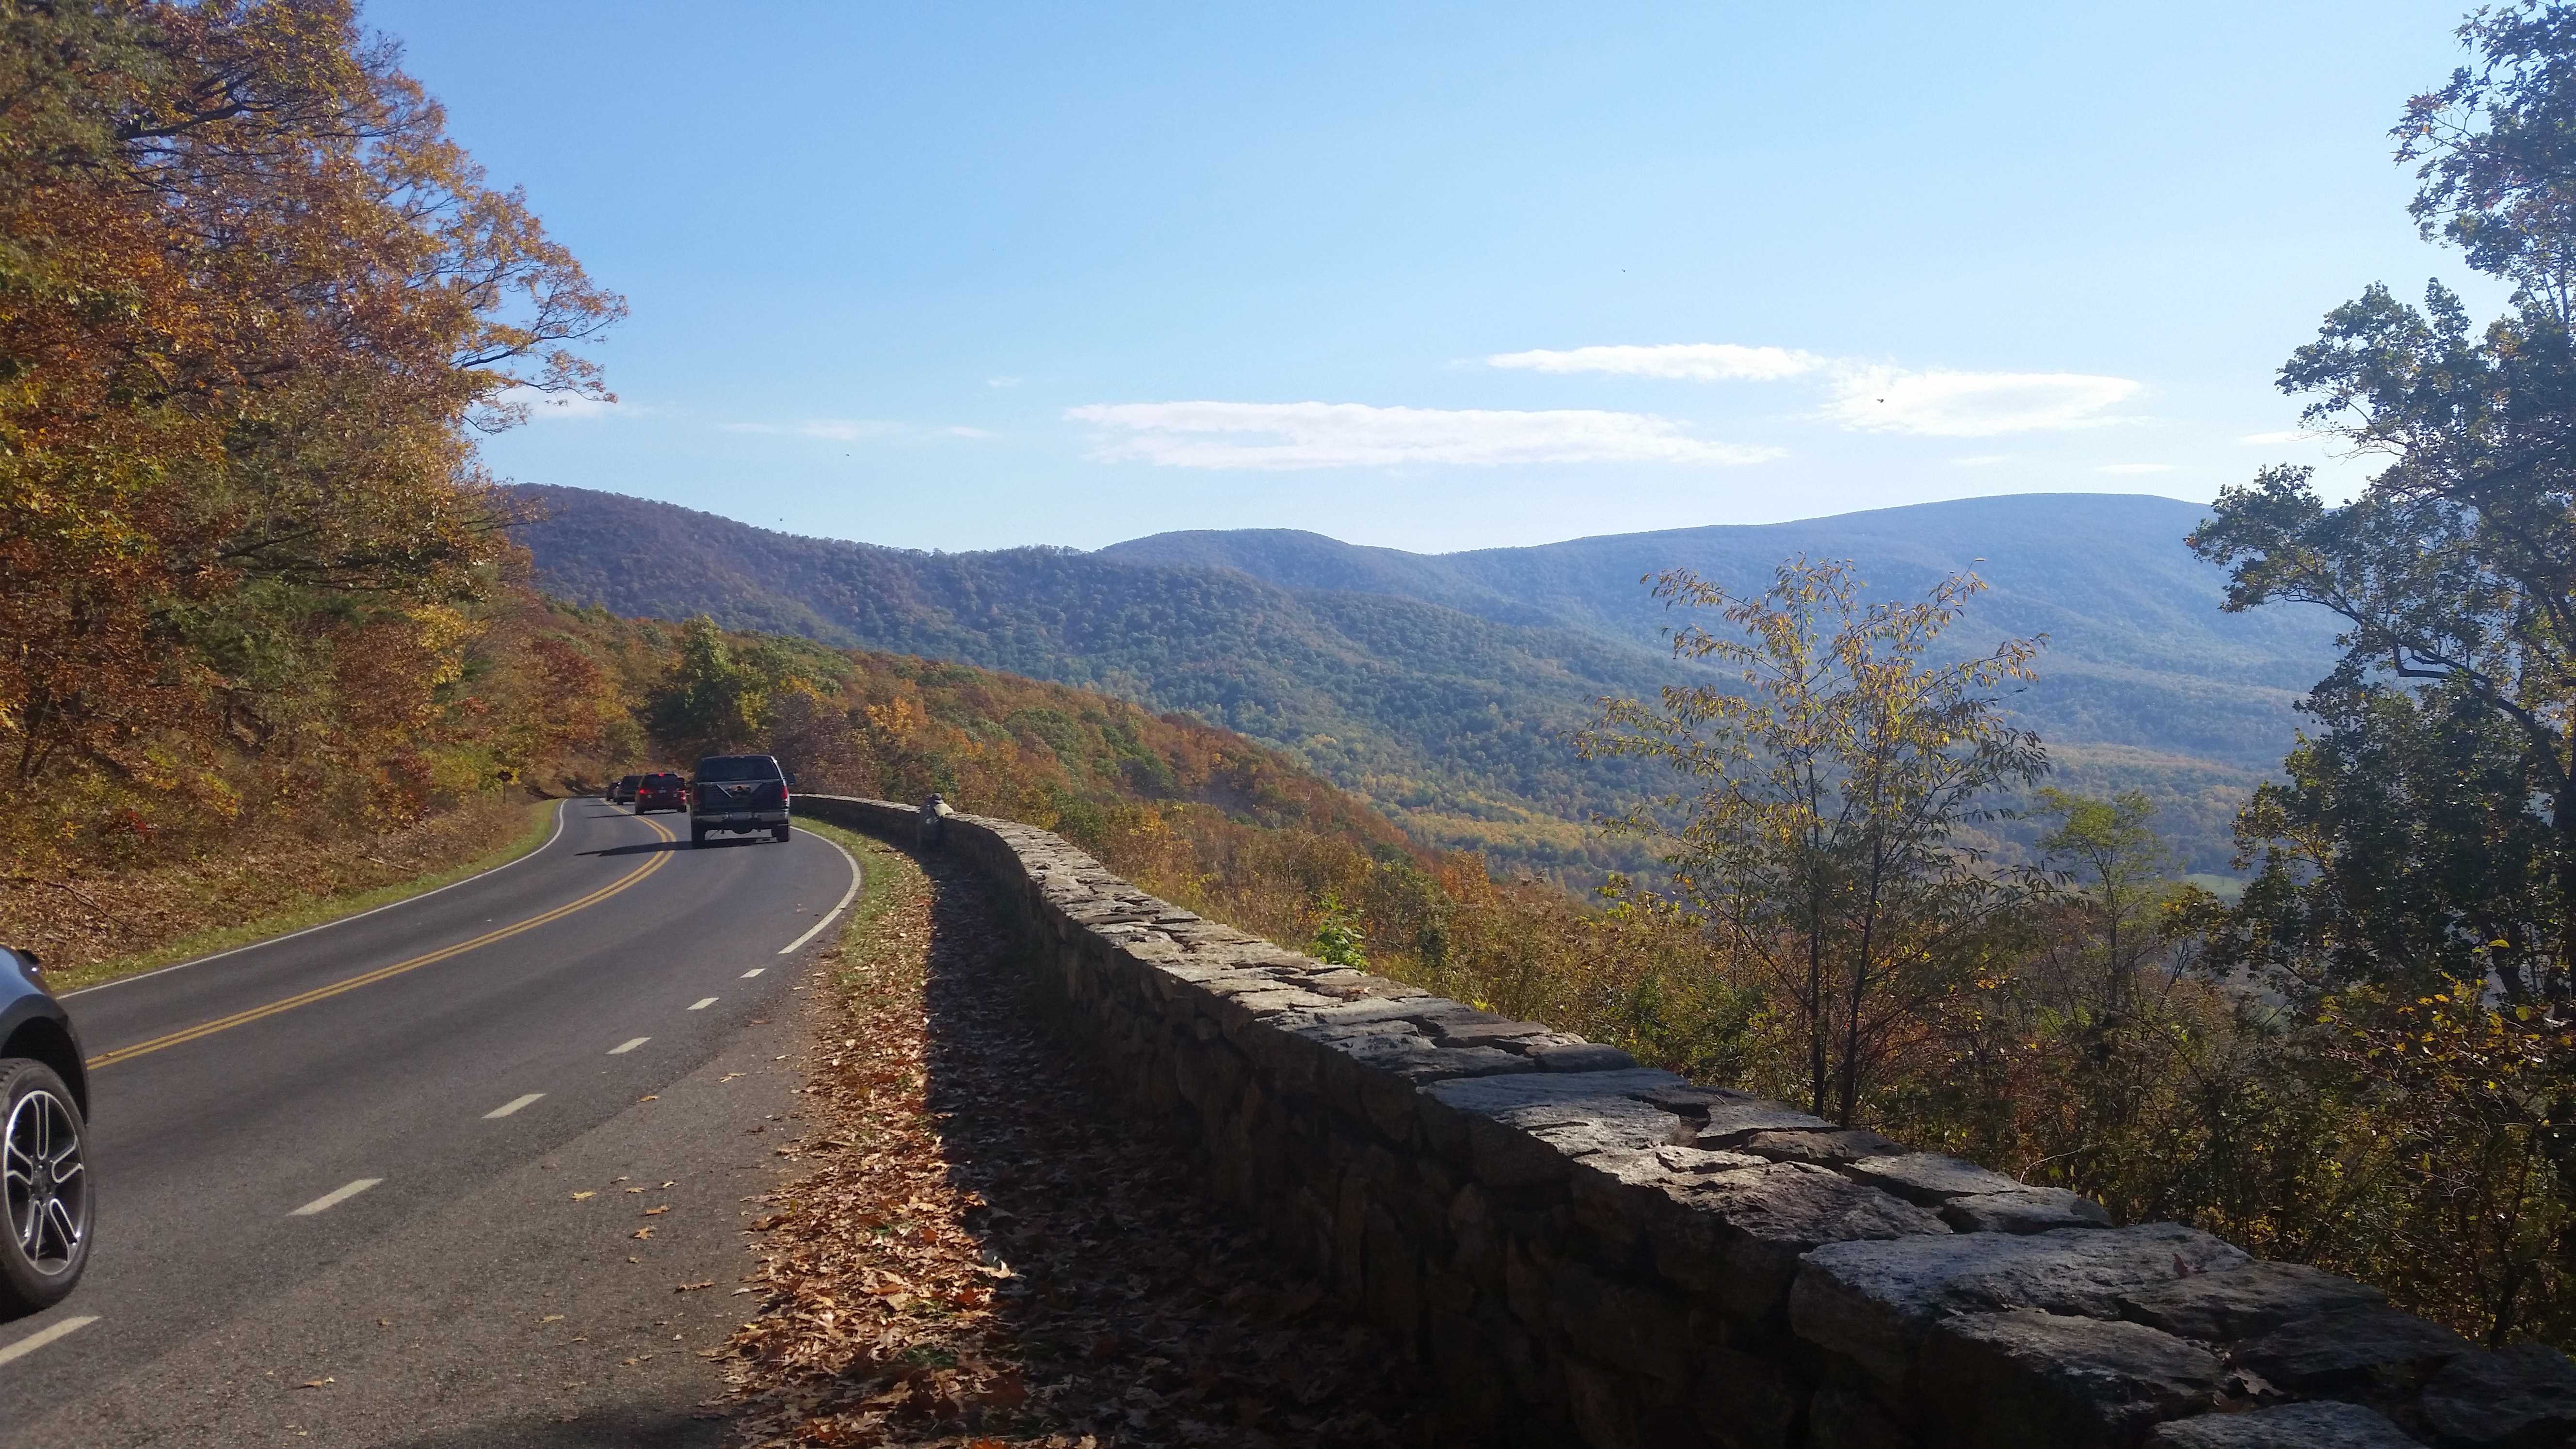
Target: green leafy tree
{"points": [[2124, 879], [2415, 911], [1820, 832], [711, 700]]}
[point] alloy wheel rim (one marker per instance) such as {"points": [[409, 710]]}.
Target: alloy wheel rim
{"points": [[47, 1184]]}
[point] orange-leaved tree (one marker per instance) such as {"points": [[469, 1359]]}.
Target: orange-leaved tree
{"points": [[253, 305]]}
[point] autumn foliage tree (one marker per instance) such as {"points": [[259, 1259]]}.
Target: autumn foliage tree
{"points": [[1824, 791], [254, 305]]}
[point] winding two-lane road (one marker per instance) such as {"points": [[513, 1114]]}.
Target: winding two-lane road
{"points": [[283, 1131]]}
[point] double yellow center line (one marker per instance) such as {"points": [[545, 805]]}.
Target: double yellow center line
{"points": [[384, 973]]}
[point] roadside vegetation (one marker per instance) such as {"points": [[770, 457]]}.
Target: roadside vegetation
{"points": [[150, 919]]}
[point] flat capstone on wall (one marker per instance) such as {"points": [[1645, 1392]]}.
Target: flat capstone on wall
{"points": [[1583, 1251]]}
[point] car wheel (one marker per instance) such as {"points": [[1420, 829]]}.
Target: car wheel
{"points": [[697, 836], [45, 1200], [778, 833]]}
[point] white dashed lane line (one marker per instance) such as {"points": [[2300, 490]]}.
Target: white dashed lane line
{"points": [[628, 1045], [335, 1197], [703, 1005], [512, 1105], [754, 971], [34, 1341]]}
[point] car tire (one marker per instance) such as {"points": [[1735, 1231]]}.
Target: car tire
{"points": [[46, 1205], [697, 837], [778, 833]]}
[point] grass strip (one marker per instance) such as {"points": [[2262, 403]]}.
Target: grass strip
{"points": [[880, 867], [320, 910]]}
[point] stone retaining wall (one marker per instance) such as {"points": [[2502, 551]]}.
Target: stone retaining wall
{"points": [[1583, 1251]]}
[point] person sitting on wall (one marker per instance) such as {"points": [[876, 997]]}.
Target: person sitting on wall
{"points": [[934, 820]]}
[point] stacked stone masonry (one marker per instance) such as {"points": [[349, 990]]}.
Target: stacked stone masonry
{"points": [[1582, 1251]]}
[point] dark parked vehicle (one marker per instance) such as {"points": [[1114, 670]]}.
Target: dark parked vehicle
{"points": [[663, 791], [745, 794], [45, 1201], [623, 792]]}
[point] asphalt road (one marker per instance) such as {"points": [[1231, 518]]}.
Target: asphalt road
{"points": [[369, 1184]]}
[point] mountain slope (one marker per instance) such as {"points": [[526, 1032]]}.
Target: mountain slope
{"points": [[1446, 720], [2139, 654], [1439, 686]]}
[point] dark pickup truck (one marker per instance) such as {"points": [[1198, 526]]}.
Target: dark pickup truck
{"points": [[745, 794]]}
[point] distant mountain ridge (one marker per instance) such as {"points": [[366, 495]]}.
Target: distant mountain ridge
{"points": [[1440, 685], [2106, 576]]}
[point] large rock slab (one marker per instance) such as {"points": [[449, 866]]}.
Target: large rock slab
{"points": [[2027, 1378], [1740, 1235], [2523, 1397], [2373, 1349], [1825, 1149], [2024, 1210], [1733, 1118], [1875, 1301], [1526, 1129], [1929, 1178], [2291, 1426], [2244, 1302]]}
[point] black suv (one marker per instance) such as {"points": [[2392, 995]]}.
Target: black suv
{"points": [[745, 794], [45, 1201]]}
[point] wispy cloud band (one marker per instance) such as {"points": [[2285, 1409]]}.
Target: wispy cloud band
{"points": [[1687, 361], [1865, 397], [1941, 404], [1287, 436]]}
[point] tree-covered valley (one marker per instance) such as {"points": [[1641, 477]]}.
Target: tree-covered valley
{"points": [[1443, 688]]}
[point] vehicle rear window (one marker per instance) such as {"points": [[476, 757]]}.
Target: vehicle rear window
{"points": [[738, 767]]}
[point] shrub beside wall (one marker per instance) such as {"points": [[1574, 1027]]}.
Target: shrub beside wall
{"points": [[1588, 1252]]}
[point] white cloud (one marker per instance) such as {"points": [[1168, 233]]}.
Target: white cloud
{"points": [[1285, 436], [1689, 361], [1981, 460], [1870, 398], [2135, 468], [1944, 404], [2287, 435]]}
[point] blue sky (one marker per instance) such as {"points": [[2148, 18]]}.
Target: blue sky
{"points": [[1435, 276]]}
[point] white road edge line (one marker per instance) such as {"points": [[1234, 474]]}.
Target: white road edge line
{"points": [[630, 1044], [856, 878], [704, 1004], [512, 1105], [342, 921], [34, 1341], [754, 971], [335, 1197]]}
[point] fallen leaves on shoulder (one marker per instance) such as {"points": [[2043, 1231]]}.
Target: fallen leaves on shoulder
{"points": [[987, 1253]]}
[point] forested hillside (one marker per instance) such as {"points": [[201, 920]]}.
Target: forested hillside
{"points": [[1450, 723], [2139, 653], [1441, 687]]}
